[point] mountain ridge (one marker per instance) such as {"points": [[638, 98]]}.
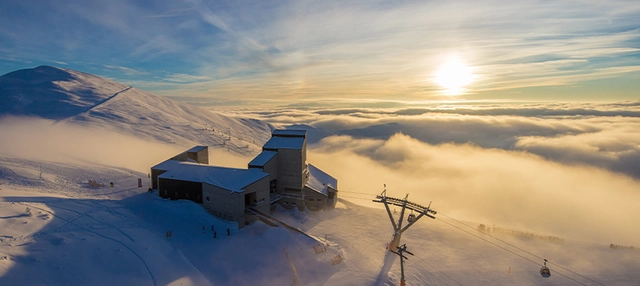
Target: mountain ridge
{"points": [[68, 96]]}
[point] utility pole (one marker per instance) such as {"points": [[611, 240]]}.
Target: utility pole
{"points": [[402, 249], [411, 219]]}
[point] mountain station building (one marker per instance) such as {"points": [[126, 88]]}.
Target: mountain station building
{"points": [[278, 175]]}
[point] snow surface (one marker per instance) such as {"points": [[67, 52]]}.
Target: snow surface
{"points": [[78, 98], [232, 179], [295, 143], [319, 180], [76, 234], [262, 158]]}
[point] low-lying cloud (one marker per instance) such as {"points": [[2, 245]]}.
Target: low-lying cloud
{"points": [[600, 135], [508, 188], [564, 169], [45, 140]]}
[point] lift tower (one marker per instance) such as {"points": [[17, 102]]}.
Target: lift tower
{"points": [[401, 250], [411, 219]]}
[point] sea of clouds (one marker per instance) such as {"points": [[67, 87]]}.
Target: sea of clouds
{"points": [[571, 170]]}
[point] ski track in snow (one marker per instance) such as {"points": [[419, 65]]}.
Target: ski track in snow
{"points": [[94, 231], [357, 234], [84, 224]]}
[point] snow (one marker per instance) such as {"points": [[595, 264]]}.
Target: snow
{"points": [[262, 158], [197, 149], [167, 165], [232, 179], [72, 97], [77, 235], [275, 143], [319, 180]]}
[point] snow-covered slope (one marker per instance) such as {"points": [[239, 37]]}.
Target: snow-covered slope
{"points": [[69, 96], [56, 230], [53, 93]]}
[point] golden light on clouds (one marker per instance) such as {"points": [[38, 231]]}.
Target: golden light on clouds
{"points": [[453, 76]]}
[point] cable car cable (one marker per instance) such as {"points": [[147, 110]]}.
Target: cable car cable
{"points": [[426, 262], [510, 251], [525, 251]]}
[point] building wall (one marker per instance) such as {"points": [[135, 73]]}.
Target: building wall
{"points": [[154, 177], [223, 203], [332, 198], [229, 205], [261, 190], [313, 200], [290, 203], [179, 190], [271, 167], [201, 156], [290, 169]]}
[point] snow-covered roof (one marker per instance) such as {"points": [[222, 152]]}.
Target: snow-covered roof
{"points": [[197, 149], [166, 165], [284, 143], [319, 180], [262, 158], [228, 178], [289, 132]]}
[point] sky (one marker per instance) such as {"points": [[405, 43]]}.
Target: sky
{"points": [[272, 52]]}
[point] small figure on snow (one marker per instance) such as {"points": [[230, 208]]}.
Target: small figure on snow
{"points": [[228, 232]]}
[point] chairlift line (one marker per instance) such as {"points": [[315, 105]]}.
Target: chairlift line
{"points": [[520, 249]]}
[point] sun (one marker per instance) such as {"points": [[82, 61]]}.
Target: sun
{"points": [[453, 76]]}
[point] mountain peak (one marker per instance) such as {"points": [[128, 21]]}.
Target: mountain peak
{"points": [[77, 97], [39, 74], [53, 92]]}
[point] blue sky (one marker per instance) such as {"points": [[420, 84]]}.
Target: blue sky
{"points": [[270, 52]]}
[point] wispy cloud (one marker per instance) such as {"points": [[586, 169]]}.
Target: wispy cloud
{"points": [[126, 70], [354, 49]]}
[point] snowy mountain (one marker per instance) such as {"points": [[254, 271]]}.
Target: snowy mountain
{"points": [[57, 229], [75, 97]]}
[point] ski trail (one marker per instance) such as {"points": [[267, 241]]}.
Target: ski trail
{"points": [[144, 263], [95, 105]]}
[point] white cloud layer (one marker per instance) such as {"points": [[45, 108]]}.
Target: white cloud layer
{"points": [[45, 140], [569, 170], [512, 189]]}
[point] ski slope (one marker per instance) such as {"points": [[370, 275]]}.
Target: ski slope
{"points": [[68, 97], [56, 229], [78, 235]]}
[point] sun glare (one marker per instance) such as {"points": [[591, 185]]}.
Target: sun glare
{"points": [[453, 76]]}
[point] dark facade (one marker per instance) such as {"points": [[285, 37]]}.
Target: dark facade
{"points": [[180, 190]]}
